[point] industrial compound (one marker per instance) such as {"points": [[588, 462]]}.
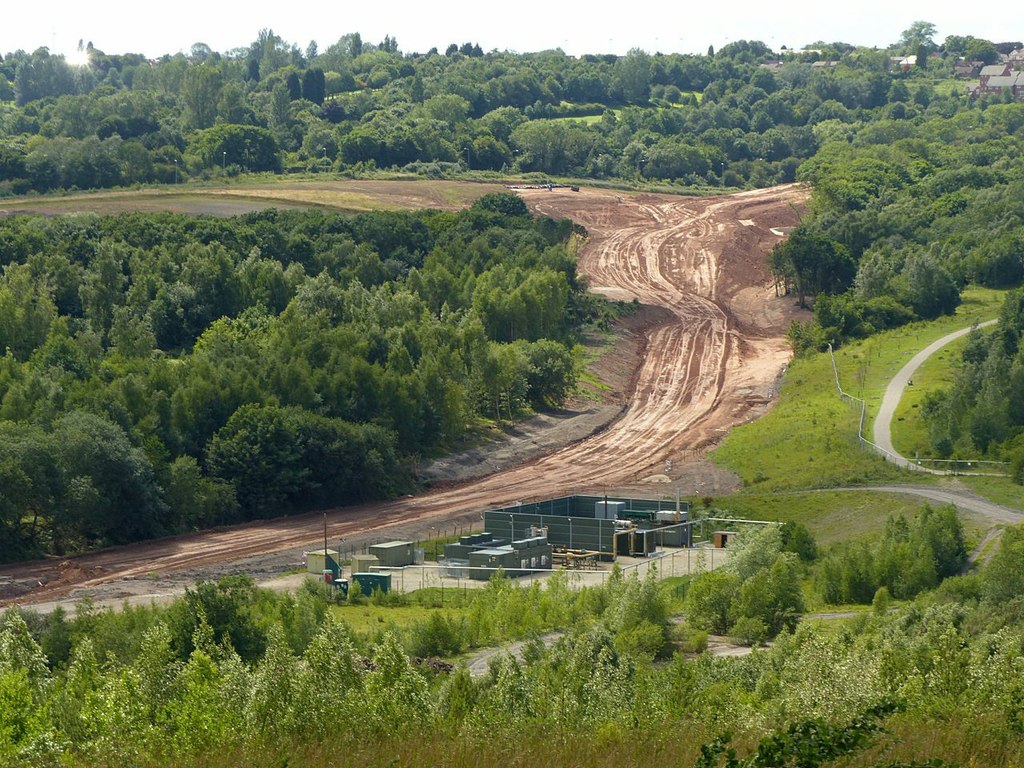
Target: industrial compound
{"points": [[573, 532]]}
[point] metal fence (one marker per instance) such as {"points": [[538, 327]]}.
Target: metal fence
{"points": [[950, 466], [668, 563]]}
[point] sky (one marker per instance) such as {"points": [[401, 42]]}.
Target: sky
{"points": [[118, 26]]}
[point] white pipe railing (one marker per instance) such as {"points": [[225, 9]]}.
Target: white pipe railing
{"points": [[895, 458]]}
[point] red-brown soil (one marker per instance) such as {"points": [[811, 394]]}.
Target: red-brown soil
{"points": [[711, 363]]}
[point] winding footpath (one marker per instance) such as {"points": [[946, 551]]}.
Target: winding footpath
{"points": [[881, 433]]}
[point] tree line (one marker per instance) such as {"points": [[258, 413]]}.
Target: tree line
{"points": [[356, 107], [164, 373]]}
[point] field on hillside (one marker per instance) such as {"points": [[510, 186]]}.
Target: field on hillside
{"points": [[261, 192]]}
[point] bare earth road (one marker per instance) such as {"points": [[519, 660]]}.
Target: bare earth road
{"points": [[710, 365]]}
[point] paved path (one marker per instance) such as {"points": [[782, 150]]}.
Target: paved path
{"points": [[881, 433], [995, 513], [479, 663]]}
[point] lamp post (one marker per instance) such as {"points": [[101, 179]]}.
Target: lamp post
{"points": [[323, 161], [723, 172], [467, 159], [224, 163], [175, 170]]}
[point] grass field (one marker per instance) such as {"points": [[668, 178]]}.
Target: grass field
{"points": [[591, 119], [833, 516], [585, 119], [1000, 490], [230, 198]]}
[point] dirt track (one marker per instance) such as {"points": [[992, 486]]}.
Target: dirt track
{"points": [[711, 365]]}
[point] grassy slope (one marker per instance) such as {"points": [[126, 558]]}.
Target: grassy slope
{"points": [[909, 431], [832, 516], [809, 439]]}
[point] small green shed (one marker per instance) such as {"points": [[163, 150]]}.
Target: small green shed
{"points": [[394, 554], [369, 582]]}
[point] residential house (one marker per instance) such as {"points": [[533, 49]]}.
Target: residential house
{"points": [[967, 69], [997, 79]]}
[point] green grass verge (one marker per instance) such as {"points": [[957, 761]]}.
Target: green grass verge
{"points": [[1000, 490], [831, 516]]}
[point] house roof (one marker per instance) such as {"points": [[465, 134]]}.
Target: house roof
{"points": [[993, 70], [1016, 80], [1003, 81]]}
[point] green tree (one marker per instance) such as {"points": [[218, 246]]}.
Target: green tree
{"points": [[314, 85], [814, 262], [110, 494], [920, 34], [930, 289], [772, 596], [26, 311], [1003, 577], [200, 93], [396, 692], [633, 76], [709, 601], [981, 50], [252, 147]]}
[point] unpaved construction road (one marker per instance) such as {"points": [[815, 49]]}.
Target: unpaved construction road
{"points": [[712, 363]]}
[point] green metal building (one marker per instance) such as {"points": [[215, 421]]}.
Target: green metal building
{"points": [[394, 554]]}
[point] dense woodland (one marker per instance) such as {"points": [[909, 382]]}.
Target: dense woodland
{"points": [[688, 120], [166, 372], [903, 216]]}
